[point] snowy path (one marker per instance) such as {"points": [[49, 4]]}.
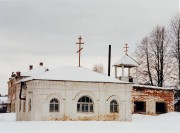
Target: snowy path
{"points": [[166, 123]]}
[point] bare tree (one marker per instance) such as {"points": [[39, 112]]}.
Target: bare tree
{"points": [[98, 68], [174, 36], [153, 57], [144, 59], [158, 47]]}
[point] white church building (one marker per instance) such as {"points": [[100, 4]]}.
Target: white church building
{"points": [[73, 93]]}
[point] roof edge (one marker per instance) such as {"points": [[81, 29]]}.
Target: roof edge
{"points": [[80, 81]]}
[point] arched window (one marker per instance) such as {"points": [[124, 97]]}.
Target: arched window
{"points": [[113, 106], [85, 104], [54, 105]]}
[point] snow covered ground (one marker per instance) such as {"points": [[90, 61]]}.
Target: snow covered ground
{"points": [[165, 123]]}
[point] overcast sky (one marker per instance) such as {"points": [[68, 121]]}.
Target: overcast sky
{"points": [[33, 31]]}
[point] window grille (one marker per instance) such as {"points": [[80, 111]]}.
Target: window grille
{"points": [[113, 106], [85, 104], [54, 105]]}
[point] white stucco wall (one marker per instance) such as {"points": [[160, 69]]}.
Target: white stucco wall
{"points": [[68, 93]]}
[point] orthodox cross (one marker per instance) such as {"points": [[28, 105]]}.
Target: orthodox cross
{"points": [[126, 48], [79, 51]]}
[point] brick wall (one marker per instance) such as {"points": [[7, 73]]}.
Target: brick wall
{"points": [[151, 96]]}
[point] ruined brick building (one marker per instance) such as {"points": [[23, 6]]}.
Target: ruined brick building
{"points": [[149, 100], [152, 100]]}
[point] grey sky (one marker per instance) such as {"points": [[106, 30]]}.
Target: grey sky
{"points": [[47, 30]]}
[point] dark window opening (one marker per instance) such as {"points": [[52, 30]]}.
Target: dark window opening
{"points": [[139, 107], [29, 104], [113, 106], [19, 105], [24, 106], [85, 104], [3, 108], [130, 79], [54, 105], [160, 108]]}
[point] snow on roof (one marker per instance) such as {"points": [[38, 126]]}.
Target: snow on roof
{"points": [[35, 71], [153, 87], [126, 60], [70, 73]]}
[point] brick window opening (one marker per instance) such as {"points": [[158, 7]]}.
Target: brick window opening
{"points": [[160, 108], [139, 107], [131, 79]]}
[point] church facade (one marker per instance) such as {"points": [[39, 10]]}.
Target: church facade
{"points": [[62, 94], [76, 93]]}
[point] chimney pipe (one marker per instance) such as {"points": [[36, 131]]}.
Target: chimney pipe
{"points": [[41, 64], [13, 75], [30, 67], [109, 61], [18, 74]]}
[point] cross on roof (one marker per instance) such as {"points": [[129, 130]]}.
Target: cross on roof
{"points": [[126, 48], [79, 51]]}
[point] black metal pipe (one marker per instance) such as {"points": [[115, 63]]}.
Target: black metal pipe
{"points": [[20, 93], [109, 61]]}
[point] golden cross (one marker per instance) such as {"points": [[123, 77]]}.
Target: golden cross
{"points": [[126, 48], [79, 51]]}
